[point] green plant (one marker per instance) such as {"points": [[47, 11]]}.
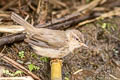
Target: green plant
{"points": [[34, 55], [44, 59], [109, 26], [18, 72], [7, 72], [104, 25], [88, 1], [66, 78], [32, 67], [21, 54]]}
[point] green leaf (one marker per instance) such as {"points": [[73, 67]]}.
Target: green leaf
{"points": [[104, 25], [7, 72], [21, 54], [31, 67], [18, 72], [88, 1], [66, 78], [36, 67], [34, 55], [44, 59]]}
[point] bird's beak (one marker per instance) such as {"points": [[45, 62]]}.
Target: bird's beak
{"points": [[83, 44]]}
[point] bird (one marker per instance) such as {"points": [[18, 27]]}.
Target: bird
{"points": [[48, 42]]}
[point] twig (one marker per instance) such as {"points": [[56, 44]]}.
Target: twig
{"points": [[17, 78], [29, 4], [42, 11], [66, 24], [114, 77], [11, 38], [18, 66], [68, 19], [1, 70], [8, 5], [4, 15], [38, 7], [11, 28], [89, 6], [58, 3], [105, 15], [80, 70]]}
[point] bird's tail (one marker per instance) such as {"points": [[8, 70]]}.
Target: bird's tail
{"points": [[29, 28]]}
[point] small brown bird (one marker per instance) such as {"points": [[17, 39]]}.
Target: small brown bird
{"points": [[51, 43]]}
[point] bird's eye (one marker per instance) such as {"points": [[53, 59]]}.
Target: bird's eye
{"points": [[77, 39]]}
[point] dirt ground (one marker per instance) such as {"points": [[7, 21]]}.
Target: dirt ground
{"points": [[100, 61]]}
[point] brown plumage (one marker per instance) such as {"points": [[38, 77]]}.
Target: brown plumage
{"points": [[50, 43]]}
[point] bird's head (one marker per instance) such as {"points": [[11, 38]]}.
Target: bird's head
{"points": [[75, 39]]}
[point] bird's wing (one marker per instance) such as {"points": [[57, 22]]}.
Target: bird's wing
{"points": [[52, 38], [37, 42], [49, 52]]}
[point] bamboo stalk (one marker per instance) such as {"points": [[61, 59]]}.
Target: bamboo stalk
{"points": [[56, 69]]}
